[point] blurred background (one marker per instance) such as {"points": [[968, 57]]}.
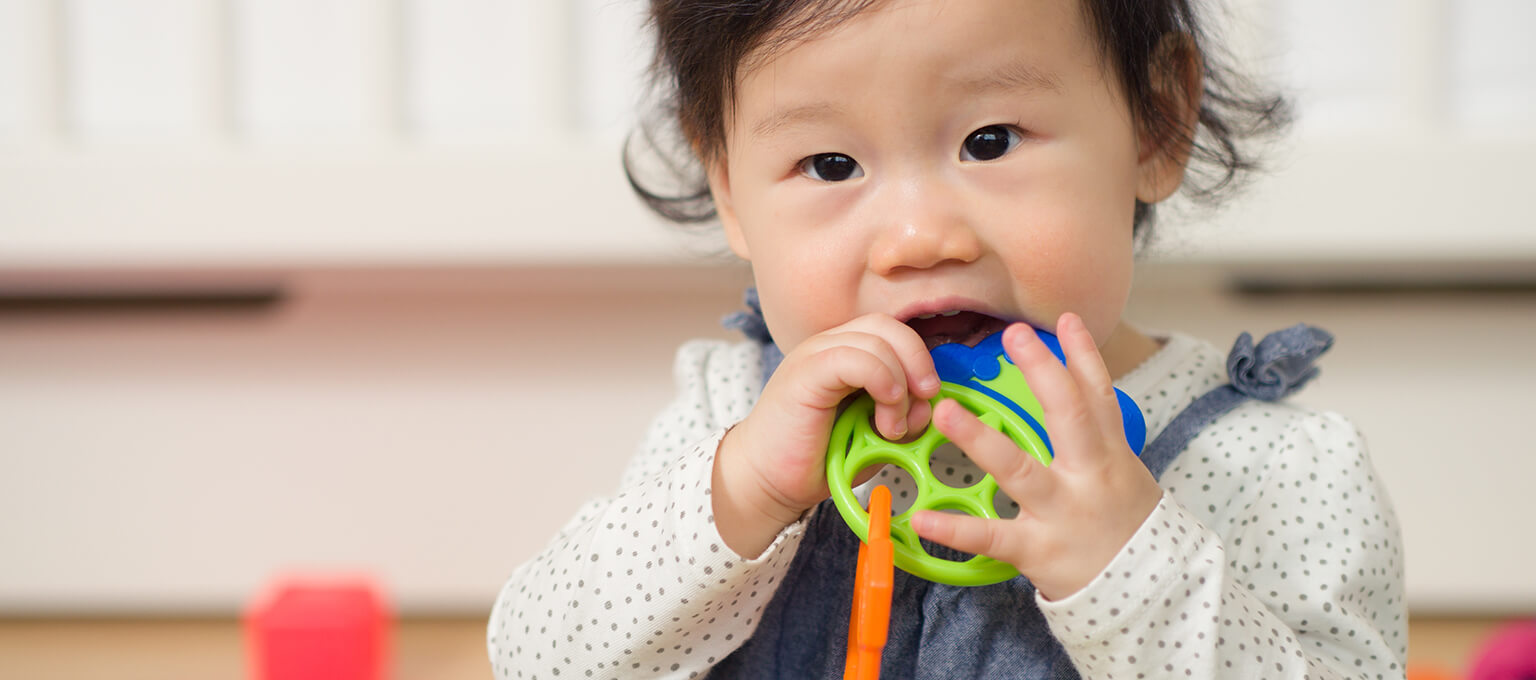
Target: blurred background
{"points": [[359, 285]]}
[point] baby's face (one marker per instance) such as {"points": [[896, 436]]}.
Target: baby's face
{"points": [[929, 156]]}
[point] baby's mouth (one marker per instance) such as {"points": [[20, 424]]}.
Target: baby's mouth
{"points": [[967, 328]]}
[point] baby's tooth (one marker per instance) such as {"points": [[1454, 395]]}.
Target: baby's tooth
{"points": [[950, 313]]}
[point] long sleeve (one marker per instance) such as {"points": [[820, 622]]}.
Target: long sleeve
{"points": [[1281, 565], [640, 584]]}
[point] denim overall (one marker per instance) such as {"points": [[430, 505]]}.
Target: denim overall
{"points": [[944, 632]]}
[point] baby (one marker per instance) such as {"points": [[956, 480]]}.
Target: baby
{"points": [[907, 173]]}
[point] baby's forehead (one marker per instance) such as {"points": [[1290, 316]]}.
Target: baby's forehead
{"points": [[980, 47], [827, 20], [806, 23]]}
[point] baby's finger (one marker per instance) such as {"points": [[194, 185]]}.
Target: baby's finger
{"points": [[978, 535], [1086, 365], [871, 343], [1016, 472], [918, 416], [907, 347], [1071, 426], [837, 371], [892, 406]]}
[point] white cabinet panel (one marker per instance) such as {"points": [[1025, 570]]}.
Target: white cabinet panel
{"points": [[1435, 200], [19, 67], [282, 207], [610, 56], [473, 69], [142, 70], [1340, 58], [303, 68], [1493, 67]]}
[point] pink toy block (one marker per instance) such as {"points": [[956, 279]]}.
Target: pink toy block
{"points": [[1508, 654], [315, 629]]}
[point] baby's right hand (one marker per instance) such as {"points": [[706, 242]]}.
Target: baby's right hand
{"points": [[771, 467]]}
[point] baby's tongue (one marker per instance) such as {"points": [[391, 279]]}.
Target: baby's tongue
{"points": [[967, 328]]}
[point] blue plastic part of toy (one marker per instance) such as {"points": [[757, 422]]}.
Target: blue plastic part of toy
{"points": [[962, 365]]}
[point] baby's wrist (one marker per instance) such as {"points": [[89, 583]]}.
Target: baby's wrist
{"points": [[747, 517], [1074, 578]]}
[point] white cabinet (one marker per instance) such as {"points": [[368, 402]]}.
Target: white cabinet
{"points": [[277, 133], [306, 70], [138, 71], [304, 208]]}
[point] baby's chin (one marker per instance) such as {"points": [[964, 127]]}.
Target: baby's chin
{"points": [[966, 328]]}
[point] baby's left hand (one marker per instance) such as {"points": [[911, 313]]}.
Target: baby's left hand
{"points": [[1075, 515]]}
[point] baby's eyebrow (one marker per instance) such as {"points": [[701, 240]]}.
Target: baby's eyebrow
{"points": [[1015, 75], [793, 115]]}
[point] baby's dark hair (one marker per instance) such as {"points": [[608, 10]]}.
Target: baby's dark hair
{"points": [[702, 45]]}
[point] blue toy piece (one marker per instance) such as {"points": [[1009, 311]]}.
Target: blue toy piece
{"points": [[983, 380]]}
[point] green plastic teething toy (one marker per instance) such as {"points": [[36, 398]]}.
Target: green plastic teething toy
{"points": [[985, 382]]}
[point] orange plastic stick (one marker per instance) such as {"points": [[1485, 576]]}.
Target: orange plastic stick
{"points": [[873, 580]]}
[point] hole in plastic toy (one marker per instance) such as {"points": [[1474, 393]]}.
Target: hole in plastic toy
{"points": [[1006, 507], [943, 552], [899, 481], [953, 468]]}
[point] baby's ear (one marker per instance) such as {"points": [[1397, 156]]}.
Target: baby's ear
{"points": [[1176, 70], [720, 191]]}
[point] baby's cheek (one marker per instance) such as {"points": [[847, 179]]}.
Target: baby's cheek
{"points": [[791, 315], [811, 297], [1096, 278]]}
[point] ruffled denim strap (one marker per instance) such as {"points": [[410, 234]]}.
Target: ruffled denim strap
{"points": [[751, 324], [1279, 365]]}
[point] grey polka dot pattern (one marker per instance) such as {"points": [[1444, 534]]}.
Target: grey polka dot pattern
{"points": [[1274, 552], [640, 584]]}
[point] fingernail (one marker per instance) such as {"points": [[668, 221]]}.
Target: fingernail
{"points": [[948, 416], [1022, 336]]}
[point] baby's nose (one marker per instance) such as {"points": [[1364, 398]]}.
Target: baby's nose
{"points": [[927, 229]]}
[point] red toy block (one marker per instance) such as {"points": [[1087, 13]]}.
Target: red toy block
{"points": [[318, 629]]}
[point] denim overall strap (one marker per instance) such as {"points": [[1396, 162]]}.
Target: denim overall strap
{"points": [[944, 632], [751, 324], [1280, 364]]}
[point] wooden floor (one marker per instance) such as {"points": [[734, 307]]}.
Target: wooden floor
{"points": [[425, 649]]}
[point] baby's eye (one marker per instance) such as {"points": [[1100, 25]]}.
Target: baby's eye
{"points": [[989, 143], [830, 167]]}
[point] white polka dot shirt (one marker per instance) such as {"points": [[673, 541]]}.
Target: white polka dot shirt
{"points": [[1273, 554]]}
